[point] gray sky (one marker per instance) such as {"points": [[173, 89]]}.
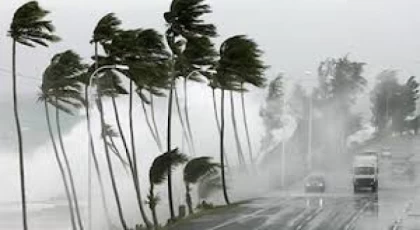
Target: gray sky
{"points": [[295, 34]]}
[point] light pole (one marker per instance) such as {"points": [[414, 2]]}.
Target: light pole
{"points": [[92, 76]]}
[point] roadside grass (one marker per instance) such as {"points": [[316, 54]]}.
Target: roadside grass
{"points": [[218, 209]]}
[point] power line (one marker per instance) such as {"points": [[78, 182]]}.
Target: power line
{"points": [[4, 70]]}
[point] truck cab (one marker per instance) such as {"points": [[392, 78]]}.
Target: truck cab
{"points": [[365, 172]]}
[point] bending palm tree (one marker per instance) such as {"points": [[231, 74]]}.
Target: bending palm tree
{"points": [[196, 169], [159, 172], [63, 87], [44, 98], [241, 157], [184, 21], [29, 29], [144, 53], [251, 72], [236, 55]]}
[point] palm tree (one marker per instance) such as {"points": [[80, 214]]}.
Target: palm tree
{"points": [[28, 28], [251, 72], [183, 21], [196, 169], [46, 98], [63, 86], [143, 51], [159, 172], [241, 157], [232, 64]]}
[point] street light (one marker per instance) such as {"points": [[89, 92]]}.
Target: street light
{"points": [[92, 76]]}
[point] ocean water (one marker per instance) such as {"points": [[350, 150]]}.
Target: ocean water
{"points": [[45, 215]]}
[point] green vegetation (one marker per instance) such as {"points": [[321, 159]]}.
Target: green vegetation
{"points": [[152, 64]]}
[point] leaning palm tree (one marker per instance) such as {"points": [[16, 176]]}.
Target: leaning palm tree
{"points": [[158, 173], [143, 51], [64, 88], [28, 28], [251, 67], [105, 31], [46, 98], [184, 20], [229, 68], [195, 170]]}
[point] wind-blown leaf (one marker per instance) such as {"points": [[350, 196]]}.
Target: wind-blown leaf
{"points": [[163, 163], [198, 168], [29, 27]]}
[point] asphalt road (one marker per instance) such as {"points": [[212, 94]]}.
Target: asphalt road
{"points": [[336, 209]]}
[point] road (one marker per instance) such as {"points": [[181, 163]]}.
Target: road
{"points": [[336, 209]]}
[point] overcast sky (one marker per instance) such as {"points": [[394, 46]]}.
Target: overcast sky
{"points": [[295, 34]]}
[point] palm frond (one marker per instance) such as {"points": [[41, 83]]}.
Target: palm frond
{"points": [[209, 184], [198, 168], [29, 28], [240, 61], [184, 18], [106, 28], [163, 163]]}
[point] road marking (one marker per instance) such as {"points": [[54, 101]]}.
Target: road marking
{"points": [[241, 218], [353, 220], [309, 218], [398, 222]]}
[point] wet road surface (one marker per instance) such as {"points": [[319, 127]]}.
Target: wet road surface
{"points": [[336, 209]]}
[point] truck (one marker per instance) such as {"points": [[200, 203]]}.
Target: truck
{"points": [[365, 171]]}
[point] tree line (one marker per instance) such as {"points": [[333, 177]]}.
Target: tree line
{"points": [[340, 83], [153, 64]]}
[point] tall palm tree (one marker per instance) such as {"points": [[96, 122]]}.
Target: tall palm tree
{"points": [[251, 72], [196, 169], [241, 157], [62, 83], [28, 28], [143, 51], [184, 20], [45, 97], [159, 172], [105, 31], [230, 67]]}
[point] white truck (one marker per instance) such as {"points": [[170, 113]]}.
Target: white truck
{"points": [[365, 171]]}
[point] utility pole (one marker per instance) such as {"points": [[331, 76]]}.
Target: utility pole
{"points": [[283, 148], [310, 134]]}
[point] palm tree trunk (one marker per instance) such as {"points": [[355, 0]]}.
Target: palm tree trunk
{"points": [[152, 108], [110, 167], [181, 120], [133, 151], [149, 125], [127, 151], [61, 167], [68, 168], [235, 130], [188, 198], [216, 116], [171, 205], [187, 117], [116, 151], [222, 147], [121, 133], [95, 161], [251, 158], [152, 206], [20, 144]]}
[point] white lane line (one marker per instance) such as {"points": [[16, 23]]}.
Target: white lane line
{"points": [[399, 221], [247, 216], [353, 220], [309, 218]]}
